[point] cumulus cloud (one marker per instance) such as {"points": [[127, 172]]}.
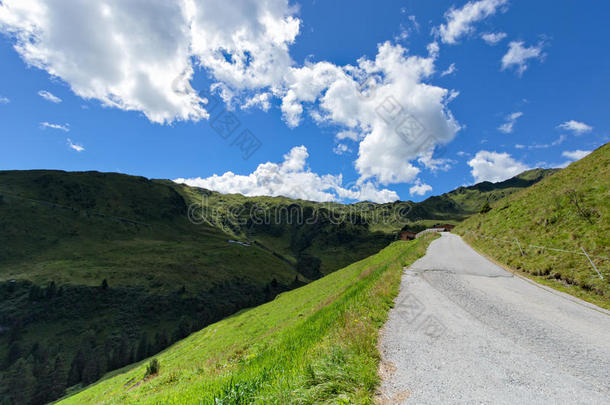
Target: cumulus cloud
{"points": [[244, 43], [576, 127], [47, 95], [4, 100], [420, 189], [494, 167], [460, 21], [511, 119], [384, 101], [65, 127], [139, 55], [76, 147], [492, 38], [575, 154], [291, 178], [518, 55], [367, 192], [449, 70]]}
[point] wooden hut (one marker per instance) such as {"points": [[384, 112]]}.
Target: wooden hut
{"points": [[407, 235]]}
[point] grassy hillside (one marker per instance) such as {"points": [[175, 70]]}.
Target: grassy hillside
{"points": [[331, 232], [569, 210], [98, 270], [81, 228], [311, 345], [466, 201]]}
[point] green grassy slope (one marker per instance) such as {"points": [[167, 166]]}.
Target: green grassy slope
{"points": [[62, 234], [84, 227], [316, 344], [569, 210], [468, 200], [288, 227]]}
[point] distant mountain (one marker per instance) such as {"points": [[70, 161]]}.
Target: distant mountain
{"points": [[465, 201], [231, 212], [553, 221]]}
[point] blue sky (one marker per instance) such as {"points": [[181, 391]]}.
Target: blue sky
{"points": [[490, 88]]}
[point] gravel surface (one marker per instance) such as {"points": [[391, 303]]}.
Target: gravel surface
{"points": [[464, 330]]}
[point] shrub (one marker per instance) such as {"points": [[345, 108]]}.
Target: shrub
{"points": [[309, 266], [485, 208], [152, 368]]}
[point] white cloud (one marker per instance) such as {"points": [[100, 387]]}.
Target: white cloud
{"points": [[429, 162], [76, 147], [556, 142], [261, 100], [559, 140], [449, 70], [511, 119], [368, 192], [405, 30], [420, 189], [494, 167], [244, 43], [576, 127], [402, 35], [354, 136], [460, 21], [395, 84], [453, 94], [4, 100], [291, 178], [341, 149], [49, 96], [518, 55], [65, 127], [414, 22], [492, 38], [139, 55], [575, 154]]}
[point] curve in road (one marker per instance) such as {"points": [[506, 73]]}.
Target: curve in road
{"points": [[464, 330]]}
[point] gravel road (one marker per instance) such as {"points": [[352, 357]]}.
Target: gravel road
{"points": [[464, 330]]}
